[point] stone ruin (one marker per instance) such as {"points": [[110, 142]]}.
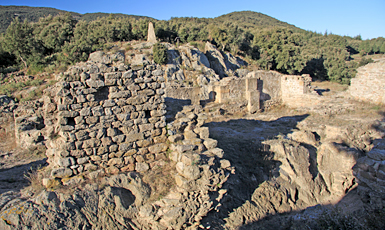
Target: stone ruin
{"points": [[106, 117], [258, 90], [103, 114]]}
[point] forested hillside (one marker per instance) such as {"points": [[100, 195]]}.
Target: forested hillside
{"points": [[57, 41], [32, 14]]}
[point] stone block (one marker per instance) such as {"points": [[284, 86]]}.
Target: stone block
{"points": [[194, 141], [110, 82], [111, 132], [180, 181], [65, 162], [107, 119], [82, 135], [72, 181], [95, 83], [158, 113], [124, 147], [120, 94], [128, 74], [146, 127], [91, 143], [137, 100], [85, 111], [134, 137], [68, 114], [157, 148], [210, 143], [123, 116], [61, 172], [98, 111], [115, 161], [139, 158], [160, 139], [182, 148], [113, 148], [147, 92], [189, 134], [95, 158], [102, 150], [78, 153], [130, 152], [176, 138], [376, 154], [106, 141], [190, 172], [217, 152], [79, 120], [141, 167], [144, 143], [112, 170], [90, 167], [119, 138], [115, 75], [83, 160], [109, 103], [203, 132], [156, 132], [128, 168], [225, 163]]}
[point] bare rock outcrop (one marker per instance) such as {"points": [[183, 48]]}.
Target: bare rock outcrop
{"points": [[305, 177]]}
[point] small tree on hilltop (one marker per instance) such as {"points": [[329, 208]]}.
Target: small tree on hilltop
{"points": [[160, 53]]}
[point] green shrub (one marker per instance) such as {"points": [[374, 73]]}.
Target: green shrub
{"points": [[160, 53]]}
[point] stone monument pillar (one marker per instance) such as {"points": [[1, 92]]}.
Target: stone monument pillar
{"points": [[151, 33]]}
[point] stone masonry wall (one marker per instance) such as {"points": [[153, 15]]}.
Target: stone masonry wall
{"points": [[369, 83], [104, 115]]}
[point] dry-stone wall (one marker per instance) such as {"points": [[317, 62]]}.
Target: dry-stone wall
{"points": [[104, 115], [369, 83]]}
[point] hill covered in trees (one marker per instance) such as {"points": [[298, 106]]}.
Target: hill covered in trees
{"points": [[33, 14], [56, 41]]}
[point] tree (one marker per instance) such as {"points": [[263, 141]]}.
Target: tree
{"points": [[160, 53], [19, 40], [53, 32]]}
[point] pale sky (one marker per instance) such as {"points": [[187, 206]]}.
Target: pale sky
{"points": [[342, 17]]}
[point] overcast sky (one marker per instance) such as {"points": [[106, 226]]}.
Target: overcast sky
{"points": [[342, 17]]}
